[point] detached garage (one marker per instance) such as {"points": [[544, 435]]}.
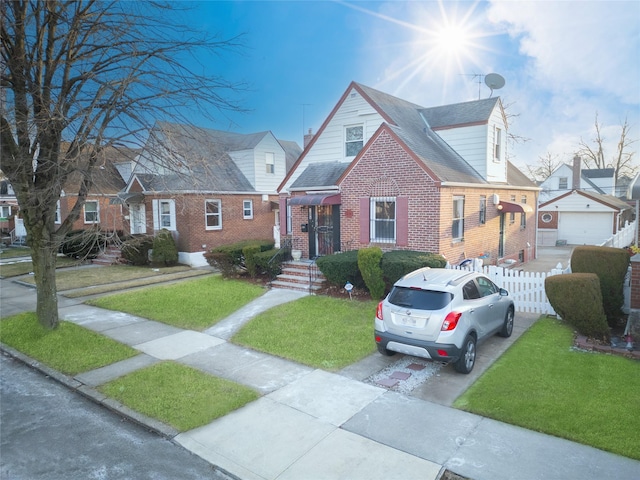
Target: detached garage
{"points": [[581, 218]]}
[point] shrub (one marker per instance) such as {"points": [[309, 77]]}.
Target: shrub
{"points": [[577, 298], [165, 251], [262, 260], [369, 266], [136, 249], [83, 244], [230, 258], [398, 263], [249, 253], [341, 268], [610, 265]]}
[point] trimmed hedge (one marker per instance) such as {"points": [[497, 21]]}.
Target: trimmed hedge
{"points": [[165, 251], [262, 259], [577, 299], [229, 259], [610, 265], [341, 268], [136, 249], [369, 266], [397, 263]]}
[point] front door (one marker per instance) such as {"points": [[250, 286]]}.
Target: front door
{"points": [[138, 218], [324, 230]]}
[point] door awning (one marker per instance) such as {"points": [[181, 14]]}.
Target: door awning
{"points": [[513, 207], [317, 199], [131, 197]]}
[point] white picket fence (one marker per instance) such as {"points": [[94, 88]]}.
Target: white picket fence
{"points": [[526, 288], [624, 238]]}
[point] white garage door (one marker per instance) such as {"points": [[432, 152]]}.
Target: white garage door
{"points": [[584, 229]]}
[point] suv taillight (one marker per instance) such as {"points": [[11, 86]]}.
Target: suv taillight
{"points": [[451, 321], [379, 311]]}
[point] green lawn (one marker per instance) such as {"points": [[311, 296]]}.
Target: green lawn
{"points": [[23, 268], [178, 395], [192, 304], [70, 349], [13, 252], [321, 332], [542, 384]]}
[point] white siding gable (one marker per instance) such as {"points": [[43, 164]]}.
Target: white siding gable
{"points": [[252, 163], [477, 145], [330, 145], [577, 203]]}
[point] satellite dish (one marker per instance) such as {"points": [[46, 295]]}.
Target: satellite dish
{"points": [[494, 81]]}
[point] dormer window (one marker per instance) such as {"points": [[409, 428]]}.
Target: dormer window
{"points": [[354, 140], [270, 162], [563, 183]]}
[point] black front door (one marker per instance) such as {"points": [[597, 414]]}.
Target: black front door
{"points": [[324, 230]]}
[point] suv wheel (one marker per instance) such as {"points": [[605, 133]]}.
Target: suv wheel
{"points": [[507, 327], [468, 358]]}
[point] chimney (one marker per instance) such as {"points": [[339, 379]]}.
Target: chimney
{"points": [[307, 138], [577, 164]]}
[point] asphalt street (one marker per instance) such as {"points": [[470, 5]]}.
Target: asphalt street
{"points": [[49, 432]]}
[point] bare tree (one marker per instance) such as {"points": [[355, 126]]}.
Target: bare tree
{"points": [[621, 160], [544, 167], [92, 75]]}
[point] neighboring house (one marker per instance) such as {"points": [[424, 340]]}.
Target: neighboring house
{"points": [[208, 187], [578, 217], [101, 208], [385, 172], [566, 178]]}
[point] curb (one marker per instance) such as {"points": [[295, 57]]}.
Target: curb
{"points": [[94, 395]]}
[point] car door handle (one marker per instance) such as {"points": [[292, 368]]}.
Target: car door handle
{"points": [[491, 305]]}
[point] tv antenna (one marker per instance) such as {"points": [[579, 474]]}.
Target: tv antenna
{"points": [[492, 80]]}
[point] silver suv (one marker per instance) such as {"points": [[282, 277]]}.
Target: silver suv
{"points": [[442, 314]]}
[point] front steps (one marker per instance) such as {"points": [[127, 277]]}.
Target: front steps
{"points": [[302, 276], [112, 255]]}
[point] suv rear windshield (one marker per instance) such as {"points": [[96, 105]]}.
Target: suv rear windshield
{"points": [[419, 299]]}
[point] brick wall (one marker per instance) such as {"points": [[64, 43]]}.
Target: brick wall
{"points": [[111, 216], [386, 169], [192, 234]]}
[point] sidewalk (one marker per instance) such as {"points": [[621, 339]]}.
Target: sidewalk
{"points": [[310, 423]]}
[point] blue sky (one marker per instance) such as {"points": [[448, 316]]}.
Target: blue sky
{"points": [[563, 61]]}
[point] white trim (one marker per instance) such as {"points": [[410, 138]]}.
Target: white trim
{"points": [[244, 209], [218, 215], [157, 214]]}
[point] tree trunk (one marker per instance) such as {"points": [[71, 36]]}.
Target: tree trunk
{"points": [[44, 268]]}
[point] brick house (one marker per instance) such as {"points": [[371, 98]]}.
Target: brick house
{"points": [[101, 209], [385, 172], [208, 187]]}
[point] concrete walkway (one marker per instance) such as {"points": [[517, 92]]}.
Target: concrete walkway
{"points": [[313, 424]]}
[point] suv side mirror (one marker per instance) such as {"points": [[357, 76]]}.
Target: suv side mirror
{"points": [[503, 292]]}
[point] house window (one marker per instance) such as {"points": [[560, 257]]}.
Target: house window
{"points": [[523, 215], [457, 227], [57, 218], [547, 217], [270, 162], [562, 183], [164, 214], [498, 143], [289, 220], [483, 210], [5, 211], [213, 214], [354, 140], [247, 209], [91, 214], [383, 219], [512, 215]]}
